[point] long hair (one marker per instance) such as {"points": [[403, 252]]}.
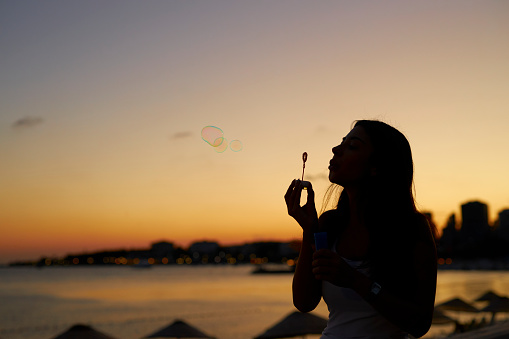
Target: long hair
{"points": [[388, 206]]}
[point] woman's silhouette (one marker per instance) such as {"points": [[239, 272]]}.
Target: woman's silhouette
{"points": [[378, 276]]}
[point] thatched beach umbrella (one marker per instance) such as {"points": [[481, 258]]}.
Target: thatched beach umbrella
{"points": [[488, 296], [295, 324], [500, 305], [80, 331], [179, 329], [458, 305]]}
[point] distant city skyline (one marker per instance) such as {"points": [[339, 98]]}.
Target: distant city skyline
{"points": [[103, 103], [469, 243], [472, 225]]}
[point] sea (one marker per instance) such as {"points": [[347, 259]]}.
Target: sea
{"points": [[226, 302]]}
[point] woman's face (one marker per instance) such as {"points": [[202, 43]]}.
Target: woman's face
{"points": [[350, 165]]}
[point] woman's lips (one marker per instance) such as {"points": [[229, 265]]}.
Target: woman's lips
{"points": [[333, 165]]}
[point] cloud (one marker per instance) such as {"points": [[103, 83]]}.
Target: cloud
{"points": [[27, 122], [318, 176], [322, 129], [181, 135]]}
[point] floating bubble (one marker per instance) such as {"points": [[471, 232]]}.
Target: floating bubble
{"points": [[222, 147], [236, 145], [213, 136]]}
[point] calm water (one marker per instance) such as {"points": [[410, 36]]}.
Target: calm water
{"points": [[227, 302]]}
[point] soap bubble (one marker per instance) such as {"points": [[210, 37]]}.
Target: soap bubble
{"points": [[212, 135], [222, 147], [236, 145]]}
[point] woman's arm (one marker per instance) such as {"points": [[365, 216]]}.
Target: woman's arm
{"points": [[306, 289], [414, 314]]}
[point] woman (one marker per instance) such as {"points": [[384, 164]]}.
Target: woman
{"points": [[378, 277]]}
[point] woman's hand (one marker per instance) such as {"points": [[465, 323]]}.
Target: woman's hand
{"points": [[329, 266], [305, 215]]}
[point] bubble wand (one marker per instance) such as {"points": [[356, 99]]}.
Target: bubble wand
{"points": [[320, 237], [304, 159], [305, 184]]}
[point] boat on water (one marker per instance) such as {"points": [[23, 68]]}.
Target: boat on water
{"points": [[142, 264], [274, 269]]}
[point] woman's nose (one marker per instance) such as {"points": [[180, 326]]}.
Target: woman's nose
{"points": [[337, 149]]}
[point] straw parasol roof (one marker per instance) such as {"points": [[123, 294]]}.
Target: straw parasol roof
{"points": [[499, 305], [179, 329], [80, 331], [457, 304], [295, 324], [439, 318], [488, 296]]}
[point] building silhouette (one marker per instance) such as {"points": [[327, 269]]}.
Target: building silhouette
{"points": [[474, 223], [473, 237], [503, 225], [450, 237]]}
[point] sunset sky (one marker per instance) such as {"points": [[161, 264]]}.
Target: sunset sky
{"points": [[102, 104]]}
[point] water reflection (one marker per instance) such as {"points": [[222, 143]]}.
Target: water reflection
{"points": [[129, 303]]}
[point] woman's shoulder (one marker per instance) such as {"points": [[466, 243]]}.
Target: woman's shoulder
{"points": [[329, 214], [330, 221], [328, 218]]}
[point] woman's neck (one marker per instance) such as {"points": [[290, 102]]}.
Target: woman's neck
{"points": [[355, 207]]}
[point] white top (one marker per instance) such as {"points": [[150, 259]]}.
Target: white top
{"points": [[350, 316]]}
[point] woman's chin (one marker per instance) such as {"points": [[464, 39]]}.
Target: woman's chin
{"points": [[333, 178]]}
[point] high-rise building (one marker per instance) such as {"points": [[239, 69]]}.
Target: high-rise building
{"points": [[474, 222], [503, 224], [449, 238]]}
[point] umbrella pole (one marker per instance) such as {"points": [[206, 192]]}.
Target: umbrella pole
{"points": [[493, 317]]}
